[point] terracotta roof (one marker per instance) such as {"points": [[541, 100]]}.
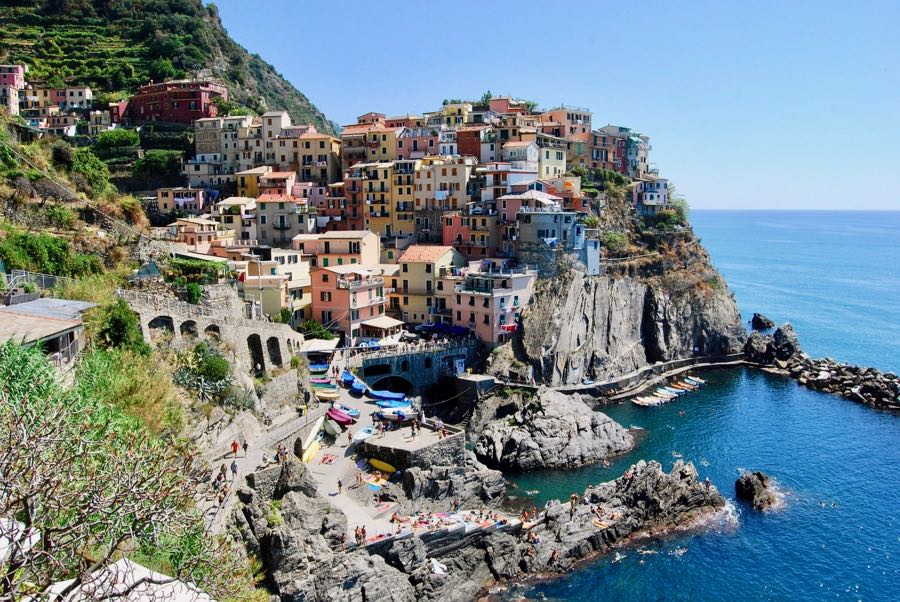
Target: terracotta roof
{"points": [[423, 253], [279, 198], [277, 174]]}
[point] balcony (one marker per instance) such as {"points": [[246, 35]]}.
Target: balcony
{"points": [[366, 302], [284, 226], [348, 284]]}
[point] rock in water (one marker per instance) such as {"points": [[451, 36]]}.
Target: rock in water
{"points": [[761, 322], [556, 431], [786, 343], [754, 487]]}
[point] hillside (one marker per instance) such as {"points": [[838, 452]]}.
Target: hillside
{"points": [[117, 45]]}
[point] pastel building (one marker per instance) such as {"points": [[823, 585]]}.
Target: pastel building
{"points": [[336, 248], [238, 214], [488, 298], [420, 280], [650, 194], [190, 201], [248, 181], [344, 297], [281, 217]]}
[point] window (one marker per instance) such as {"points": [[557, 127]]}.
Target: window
{"points": [[487, 319], [326, 317], [324, 277], [405, 300], [263, 219], [405, 267], [325, 296], [428, 267]]}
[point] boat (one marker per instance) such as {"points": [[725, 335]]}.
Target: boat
{"points": [[324, 386], [393, 403], [340, 417], [318, 368], [358, 388], [351, 412], [695, 379], [310, 452], [396, 415], [327, 394], [382, 466], [386, 395], [321, 380], [665, 394], [364, 433], [331, 427], [348, 378], [674, 392]]}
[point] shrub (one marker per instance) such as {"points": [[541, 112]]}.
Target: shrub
{"points": [[118, 138], [616, 242], [194, 292], [121, 328], [313, 330], [94, 170], [158, 163], [63, 154], [59, 216]]}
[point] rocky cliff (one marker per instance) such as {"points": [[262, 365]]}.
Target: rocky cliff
{"points": [[554, 431], [669, 304]]}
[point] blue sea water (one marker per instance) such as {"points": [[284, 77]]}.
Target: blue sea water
{"points": [[836, 277]]}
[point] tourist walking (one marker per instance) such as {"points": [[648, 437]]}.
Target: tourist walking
{"points": [[234, 447], [234, 469], [340, 486], [245, 446], [349, 438]]}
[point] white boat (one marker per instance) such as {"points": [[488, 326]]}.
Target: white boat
{"points": [[364, 433]]}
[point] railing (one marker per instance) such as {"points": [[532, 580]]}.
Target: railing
{"points": [[355, 284], [357, 360], [17, 278]]}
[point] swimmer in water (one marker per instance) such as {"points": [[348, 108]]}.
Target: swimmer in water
{"points": [[681, 413]]}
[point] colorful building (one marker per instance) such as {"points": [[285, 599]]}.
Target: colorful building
{"points": [[180, 101], [335, 248], [281, 217], [420, 279], [346, 296], [189, 201]]}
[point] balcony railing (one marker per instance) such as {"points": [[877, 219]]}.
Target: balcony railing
{"points": [[345, 283], [282, 226], [365, 302]]}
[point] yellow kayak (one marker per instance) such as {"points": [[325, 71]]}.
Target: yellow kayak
{"points": [[382, 466], [310, 452], [325, 394]]}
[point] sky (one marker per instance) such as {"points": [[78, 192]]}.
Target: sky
{"points": [[750, 105]]}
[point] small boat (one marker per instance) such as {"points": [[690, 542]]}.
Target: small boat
{"points": [[321, 380], [351, 412], [327, 394], [382, 466], [386, 395], [340, 417], [364, 433], [318, 368], [396, 415], [331, 427], [358, 388], [695, 380], [674, 392], [348, 378], [393, 403], [310, 452], [664, 394], [324, 386]]}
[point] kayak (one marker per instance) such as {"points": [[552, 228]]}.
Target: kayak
{"points": [[327, 394], [332, 427], [348, 378], [392, 403], [364, 433], [358, 387], [316, 368], [382, 466], [324, 386], [351, 412], [339, 417], [321, 380], [310, 452], [386, 395]]}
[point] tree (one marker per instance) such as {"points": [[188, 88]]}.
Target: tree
{"points": [[118, 138], [83, 484], [93, 169], [162, 68], [486, 97], [120, 328], [158, 163], [313, 330], [194, 292]]}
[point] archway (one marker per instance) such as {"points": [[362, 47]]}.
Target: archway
{"points": [[257, 358], [213, 331], [274, 348], [162, 323], [394, 383], [188, 328]]}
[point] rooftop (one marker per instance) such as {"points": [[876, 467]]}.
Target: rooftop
{"points": [[341, 235], [40, 319], [423, 253]]}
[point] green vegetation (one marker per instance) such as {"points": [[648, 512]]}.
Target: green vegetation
{"points": [[204, 371], [194, 292], [158, 163], [94, 172], [183, 271], [120, 328], [615, 242], [96, 484], [118, 138], [118, 45], [44, 253], [313, 330]]}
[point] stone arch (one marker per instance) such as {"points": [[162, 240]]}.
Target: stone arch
{"points": [[394, 383], [162, 323], [213, 330], [273, 346], [188, 328], [257, 358]]}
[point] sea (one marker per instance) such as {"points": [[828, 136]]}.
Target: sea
{"points": [[836, 534]]}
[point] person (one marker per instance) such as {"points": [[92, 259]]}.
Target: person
{"points": [[380, 429], [234, 447], [246, 446], [356, 535], [531, 552], [234, 469], [707, 484], [554, 556], [349, 438], [533, 513], [223, 471], [340, 486], [524, 516], [363, 534], [573, 499]]}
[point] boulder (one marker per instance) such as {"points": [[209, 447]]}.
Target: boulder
{"points": [[761, 322], [555, 431], [785, 343], [757, 348], [295, 476], [754, 487]]}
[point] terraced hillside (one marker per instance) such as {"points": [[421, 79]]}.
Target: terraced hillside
{"points": [[117, 45]]}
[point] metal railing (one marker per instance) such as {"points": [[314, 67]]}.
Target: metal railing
{"points": [[17, 278]]}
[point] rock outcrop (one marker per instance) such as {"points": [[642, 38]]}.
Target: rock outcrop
{"points": [[599, 327], [554, 431], [754, 487], [477, 485], [761, 322], [781, 352]]}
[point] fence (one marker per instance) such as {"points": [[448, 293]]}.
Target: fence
{"points": [[18, 278]]}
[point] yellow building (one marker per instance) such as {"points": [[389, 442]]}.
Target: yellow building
{"points": [[382, 143], [248, 181], [456, 113], [441, 182], [551, 162], [404, 197], [420, 281], [378, 196]]}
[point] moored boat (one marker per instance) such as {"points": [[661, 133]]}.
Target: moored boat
{"points": [[331, 427], [318, 368], [382, 466], [340, 417], [348, 378], [320, 380], [385, 395], [364, 433], [327, 394], [393, 403], [352, 412], [358, 388]]}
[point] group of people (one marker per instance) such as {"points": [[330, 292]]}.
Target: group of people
{"points": [[220, 485], [235, 446], [360, 535]]}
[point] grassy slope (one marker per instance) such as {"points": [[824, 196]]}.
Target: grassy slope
{"points": [[115, 45]]}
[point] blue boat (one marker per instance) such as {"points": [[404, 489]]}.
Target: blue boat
{"points": [[351, 412], [386, 395], [315, 368], [358, 388], [392, 403], [348, 378]]}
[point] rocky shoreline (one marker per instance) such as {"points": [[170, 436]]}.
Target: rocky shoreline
{"points": [[304, 547], [780, 353]]}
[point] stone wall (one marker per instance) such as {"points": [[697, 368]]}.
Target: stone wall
{"points": [[449, 451], [281, 390], [422, 367]]}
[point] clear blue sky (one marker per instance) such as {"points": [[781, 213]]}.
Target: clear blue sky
{"points": [[748, 105]]}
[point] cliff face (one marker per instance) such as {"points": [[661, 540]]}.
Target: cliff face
{"points": [[599, 327]]}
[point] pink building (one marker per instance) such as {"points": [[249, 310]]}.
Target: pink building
{"points": [[312, 193], [488, 298], [416, 142], [277, 182], [13, 75], [344, 297]]}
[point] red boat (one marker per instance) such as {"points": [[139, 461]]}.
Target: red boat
{"points": [[340, 417]]}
